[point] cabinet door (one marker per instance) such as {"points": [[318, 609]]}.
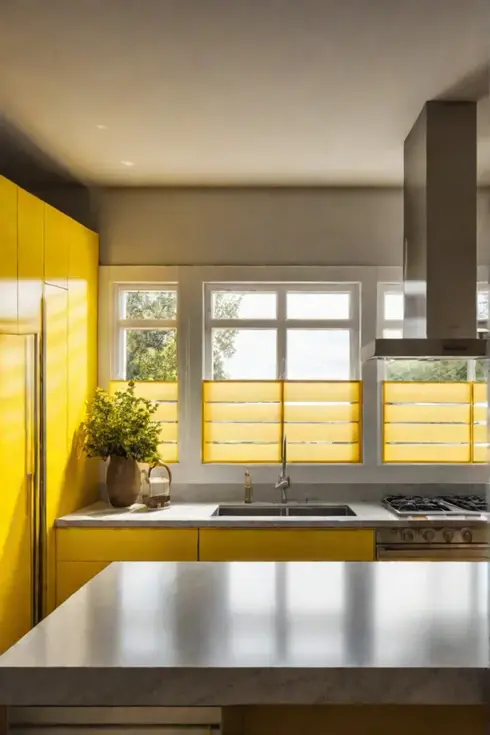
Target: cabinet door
{"points": [[56, 244], [286, 545], [71, 575], [56, 442], [8, 256], [126, 544], [82, 358], [16, 511], [31, 260]]}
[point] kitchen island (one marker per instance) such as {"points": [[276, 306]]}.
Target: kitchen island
{"points": [[262, 635]]}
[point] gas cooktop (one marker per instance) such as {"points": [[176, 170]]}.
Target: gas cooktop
{"points": [[447, 505]]}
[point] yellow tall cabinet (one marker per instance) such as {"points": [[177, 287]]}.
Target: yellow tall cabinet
{"points": [[48, 286]]}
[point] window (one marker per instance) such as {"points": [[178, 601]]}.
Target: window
{"points": [[280, 359], [293, 331], [146, 332], [146, 353], [390, 326]]}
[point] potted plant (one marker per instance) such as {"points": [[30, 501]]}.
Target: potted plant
{"points": [[120, 428]]}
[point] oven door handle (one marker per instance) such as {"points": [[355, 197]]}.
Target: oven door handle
{"points": [[421, 552]]}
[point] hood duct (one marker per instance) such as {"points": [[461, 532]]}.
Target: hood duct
{"points": [[440, 239]]}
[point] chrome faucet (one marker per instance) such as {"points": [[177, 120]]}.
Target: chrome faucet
{"points": [[283, 481]]}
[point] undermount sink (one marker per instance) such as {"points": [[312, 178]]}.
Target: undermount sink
{"points": [[259, 511]]}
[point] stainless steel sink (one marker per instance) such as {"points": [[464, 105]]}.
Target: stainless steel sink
{"points": [[293, 510], [320, 510]]}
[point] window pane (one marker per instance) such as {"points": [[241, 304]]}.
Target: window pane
{"points": [[481, 370], [151, 354], [392, 333], [244, 354], [482, 306], [309, 305], [393, 306], [322, 354], [149, 305], [427, 370], [243, 305]]}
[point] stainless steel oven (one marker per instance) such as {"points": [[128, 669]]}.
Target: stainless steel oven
{"points": [[433, 544]]}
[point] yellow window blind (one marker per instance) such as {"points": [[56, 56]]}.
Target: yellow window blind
{"points": [[244, 421], [427, 422], [165, 395], [480, 443], [322, 421]]}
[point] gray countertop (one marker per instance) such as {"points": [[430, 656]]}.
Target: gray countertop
{"points": [[218, 634], [200, 515]]}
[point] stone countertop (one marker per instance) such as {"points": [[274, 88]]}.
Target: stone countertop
{"points": [[230, 633], [200, 515]]}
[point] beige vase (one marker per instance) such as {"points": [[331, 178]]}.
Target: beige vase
{"points": [[123, 481]]}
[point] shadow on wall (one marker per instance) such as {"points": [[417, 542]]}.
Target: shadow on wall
{"points": [[24, 163]]}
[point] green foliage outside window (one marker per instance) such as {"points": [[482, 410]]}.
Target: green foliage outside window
{"points": [[151, 354]]}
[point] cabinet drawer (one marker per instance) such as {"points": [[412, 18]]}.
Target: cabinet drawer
{"points": [[286, 545], [126, 544]]}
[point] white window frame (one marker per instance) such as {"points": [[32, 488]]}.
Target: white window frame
{"points": [[190, 474], [382, 323], [122, 324], [281, 323]]}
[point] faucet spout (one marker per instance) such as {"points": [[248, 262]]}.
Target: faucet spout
{"points": [[283, 481]]}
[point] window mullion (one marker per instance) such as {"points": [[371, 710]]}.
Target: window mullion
{"points": [[281, 370]]}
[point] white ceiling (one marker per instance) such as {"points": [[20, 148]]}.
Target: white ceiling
{"points": [[236, 91]]}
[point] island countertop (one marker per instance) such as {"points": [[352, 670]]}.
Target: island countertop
{"points": [[223, 634]]}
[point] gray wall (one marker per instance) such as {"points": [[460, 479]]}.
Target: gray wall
{"points": [[256, 226]]}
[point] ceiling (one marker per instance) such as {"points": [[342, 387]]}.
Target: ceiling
{"points": [[237, 92]]}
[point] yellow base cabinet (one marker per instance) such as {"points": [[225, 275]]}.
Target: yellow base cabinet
{"points": [[81, 553], [71, 575], [296, 544]]}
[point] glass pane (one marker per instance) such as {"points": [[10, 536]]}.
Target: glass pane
{"points": [[427, 370], [243, 305], [151, 354], [244, 354], [482, 306], [481, 370], [318, 354], [392, 333], [149, 305], [393, 306], [310, 305]]}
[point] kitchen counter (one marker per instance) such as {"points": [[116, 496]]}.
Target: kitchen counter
{"points": [[200, 515], [219, 634]]}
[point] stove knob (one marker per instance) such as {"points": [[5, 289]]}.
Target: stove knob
{"points": [[447, 535], [466, 535], [407, 535], [429, 535]]}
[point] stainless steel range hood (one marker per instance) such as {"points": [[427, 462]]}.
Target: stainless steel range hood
{"points": [[440, 239]]}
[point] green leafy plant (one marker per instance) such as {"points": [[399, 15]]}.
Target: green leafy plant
{"points": [[121, 425]]}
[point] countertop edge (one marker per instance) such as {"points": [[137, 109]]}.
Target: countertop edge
{"points": [[214, 686]]}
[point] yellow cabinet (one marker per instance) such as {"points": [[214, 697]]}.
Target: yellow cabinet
{"points": [[296, 544], [16, 511], [82, 358], [126, 544], [57, 230], [56, 449], [71, 575], [31, 261], [8, 256], [83, 552]]}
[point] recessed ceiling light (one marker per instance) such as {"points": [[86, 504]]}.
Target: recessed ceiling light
{"points": [[101, 127], [127, 163]]}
